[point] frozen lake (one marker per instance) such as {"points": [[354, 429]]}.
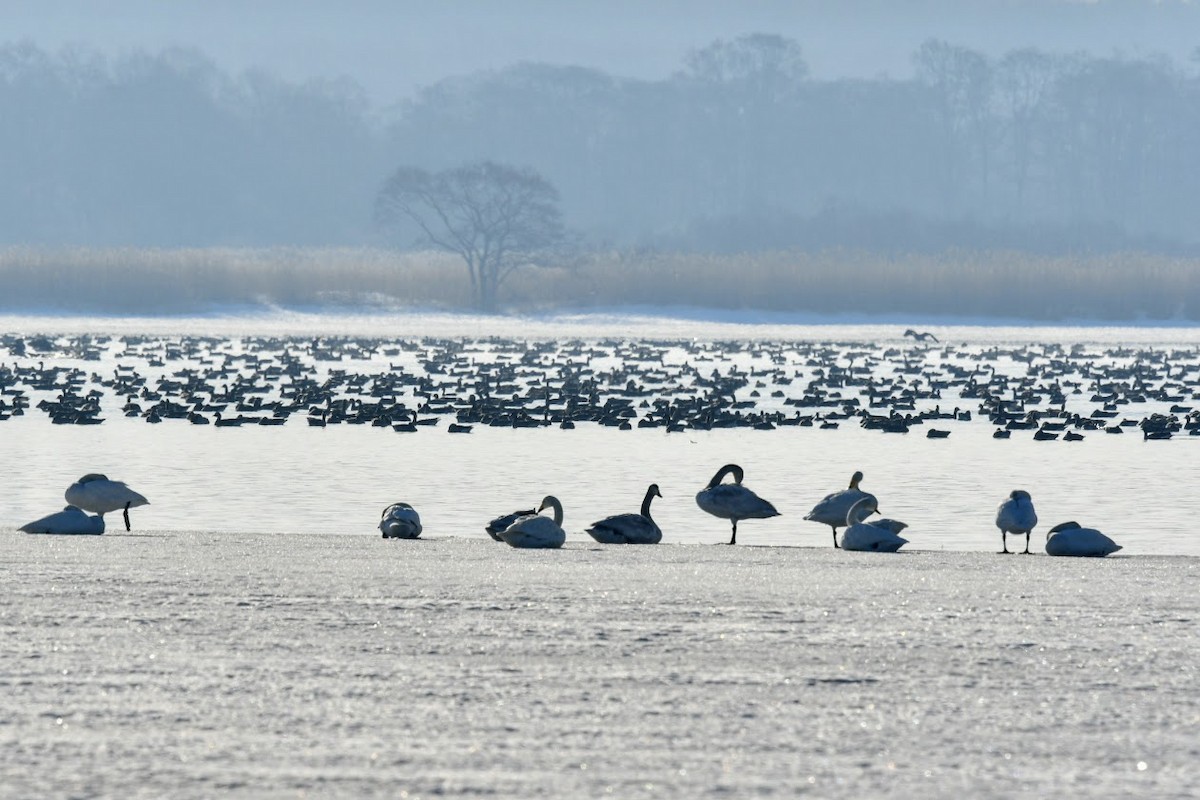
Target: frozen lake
{"points": [[192, 664], [254, 636]]}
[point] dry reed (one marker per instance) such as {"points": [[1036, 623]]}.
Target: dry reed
{"points": [[1122, 286]]}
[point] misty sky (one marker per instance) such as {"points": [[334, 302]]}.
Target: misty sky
{"points": [[392, 47]]}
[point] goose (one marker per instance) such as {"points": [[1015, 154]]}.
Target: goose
{"points": [[1016, 515], [70, 521], [881, 536], [534, 530], [96, 493], [833, 508], [400, 521], [629, 528], [1070, 539], [733, 501]]}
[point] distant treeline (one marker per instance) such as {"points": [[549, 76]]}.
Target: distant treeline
{"points": [[994, 284], [739, 151]]}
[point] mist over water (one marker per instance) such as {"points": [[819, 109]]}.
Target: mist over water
{"points": [[1048, 127]]}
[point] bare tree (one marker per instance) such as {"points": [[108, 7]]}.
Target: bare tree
{"points": [[498, 218]]}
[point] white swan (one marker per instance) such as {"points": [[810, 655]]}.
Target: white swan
{"points": [[535, 530], [1070, 539], [881, 536], [400, 521], [629, 528], [96, 493], [732, 501], [833, 508], [69, 521], [1016, 515]]}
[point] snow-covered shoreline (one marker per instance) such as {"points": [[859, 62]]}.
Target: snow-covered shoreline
{"points": [[667, 322]]}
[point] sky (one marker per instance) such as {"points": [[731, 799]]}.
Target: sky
{"points": [[394, 47]]}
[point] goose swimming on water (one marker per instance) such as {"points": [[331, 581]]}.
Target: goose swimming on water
{"points": [[400, 521], [536, 531], [629, 528], [1016, 515], [733, 501], [96, 493], [70, 521], [833, 508], [1072, 539]]}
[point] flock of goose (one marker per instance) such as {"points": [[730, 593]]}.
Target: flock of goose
{"points": [[848, 508], [1046, 391]]}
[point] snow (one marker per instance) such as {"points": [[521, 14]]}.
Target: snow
{"points": [[670, 322], [192, 664]]}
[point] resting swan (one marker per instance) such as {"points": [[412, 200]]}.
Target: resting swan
{"points": [[1070, 539], [733, 501], [881, 536], [400, 521], [834, 508], [69, 521], [1016, 515], [96, 493], [534, 531], [629, 528]]}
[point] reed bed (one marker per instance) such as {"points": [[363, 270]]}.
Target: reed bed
{"points": [[987, 284]]}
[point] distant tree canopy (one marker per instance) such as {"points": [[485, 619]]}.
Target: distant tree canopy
{"points": [[498, 218], [740, 150]]}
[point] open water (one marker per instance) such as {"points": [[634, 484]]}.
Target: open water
{"points": [[336, 480]]}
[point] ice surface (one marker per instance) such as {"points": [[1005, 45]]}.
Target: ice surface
{"points": [[198, 664]]}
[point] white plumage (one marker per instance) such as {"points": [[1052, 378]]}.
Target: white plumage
{"points": [[629, 528], [833, 508], [1071, 539], [733, 501], [881, 536], [536, 531], [70, 521], [400, 521], [97, 494], [1016, 515]]}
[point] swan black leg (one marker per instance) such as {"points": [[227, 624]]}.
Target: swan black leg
{"points": [[835, 544], [127, 527], [1026, 543], [733, 539], [1004, 542]]}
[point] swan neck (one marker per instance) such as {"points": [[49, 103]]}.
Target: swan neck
{"points": [[733, 469], [552, 502], [650, 494], [857, 512]]}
